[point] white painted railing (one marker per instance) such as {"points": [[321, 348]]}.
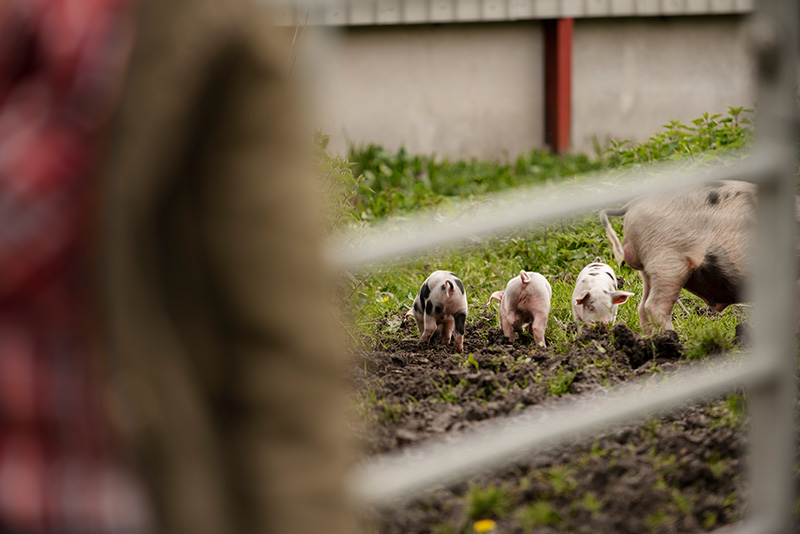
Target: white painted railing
{"points": [[768, 373]]}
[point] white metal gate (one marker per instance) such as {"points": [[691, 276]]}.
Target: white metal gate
{"points": [[768, 373]]}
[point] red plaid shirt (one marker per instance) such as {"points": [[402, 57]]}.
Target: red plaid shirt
{"points": [[61, 64]]}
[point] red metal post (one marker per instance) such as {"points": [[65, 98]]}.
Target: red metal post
{"points": [[558, 83]]}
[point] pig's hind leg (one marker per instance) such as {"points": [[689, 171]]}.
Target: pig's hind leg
{"points": [[437, 335], [664, 290], [429, 330], [537, 328], [460, 320], [420, 320], [508, 328], [447, 331]]}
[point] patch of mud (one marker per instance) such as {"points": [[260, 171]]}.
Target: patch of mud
{"points": [[674, 475], [662, 347]]}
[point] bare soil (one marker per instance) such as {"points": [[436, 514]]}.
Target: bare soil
{"points": [[677, 474]]}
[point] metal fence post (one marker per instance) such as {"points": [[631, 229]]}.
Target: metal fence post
{"points": [[774, 39]]}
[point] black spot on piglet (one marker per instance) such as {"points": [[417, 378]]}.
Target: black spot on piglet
{"points": [[424, 292], [713, 198], [460, 285], [438, 309], [460, 319], [716, 280]]}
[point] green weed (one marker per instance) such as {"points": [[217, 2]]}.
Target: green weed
{"points": [[443, 528], [447, 392], [397, 182], [539, 513], [710, 519], [684, 504], [597, 451], [730, 500], [560, 479], [709, 340], [657, 519], [717, 465], [591, 503], [561, 384], [707, 134], [470, 360], [489, 502], [732, 413]]}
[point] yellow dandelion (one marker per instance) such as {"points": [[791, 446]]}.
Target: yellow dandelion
{"points": [[484, 525], [385, 299]]}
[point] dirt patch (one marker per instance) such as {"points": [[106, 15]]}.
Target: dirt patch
{"points": [[673, 476], [680, 474]]}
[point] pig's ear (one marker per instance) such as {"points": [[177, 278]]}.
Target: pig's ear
{"points": [[450, 287], [583, 298], [497, 295], [618, 297], [597, 259], [525, 277]]}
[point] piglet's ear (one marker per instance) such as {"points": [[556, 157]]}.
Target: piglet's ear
{"points": [[583, 298], [618, 297], [598, 260], [450, 287]]}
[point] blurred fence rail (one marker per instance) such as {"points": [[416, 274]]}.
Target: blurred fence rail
{"points": [[768, 373], [369, 12]]}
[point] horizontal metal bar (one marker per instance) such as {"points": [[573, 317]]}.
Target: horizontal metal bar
{"points": [[502, 212], [390, 479]]}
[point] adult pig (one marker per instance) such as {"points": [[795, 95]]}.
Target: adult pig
{"points": [[525, 301], [699, 238], [595, 297], [440, 307]]}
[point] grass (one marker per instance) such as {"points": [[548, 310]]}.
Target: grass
{"points": [[657, 519], [397, 182], [539, 513], [731, 413], [591, 503], [560, 479], [560, 385], [709, 340], [491, 502]]}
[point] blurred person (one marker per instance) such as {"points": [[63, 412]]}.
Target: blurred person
{"points": [[62, 467], [224, 353]]}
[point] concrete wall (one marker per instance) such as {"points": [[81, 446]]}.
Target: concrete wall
{"points": [[459, 90], [477, 90], [630, 76]]}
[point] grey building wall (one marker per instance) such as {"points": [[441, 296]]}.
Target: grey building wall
{"points": [[630, 76], [461, 90], [477, 89]]}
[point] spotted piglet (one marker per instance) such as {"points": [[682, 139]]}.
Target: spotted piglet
{"points": [[526, 300], [440, 307], [596, 297]]}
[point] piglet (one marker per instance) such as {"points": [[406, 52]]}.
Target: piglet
{"points": [[596, 298], [526, 300], [440, 307]]}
